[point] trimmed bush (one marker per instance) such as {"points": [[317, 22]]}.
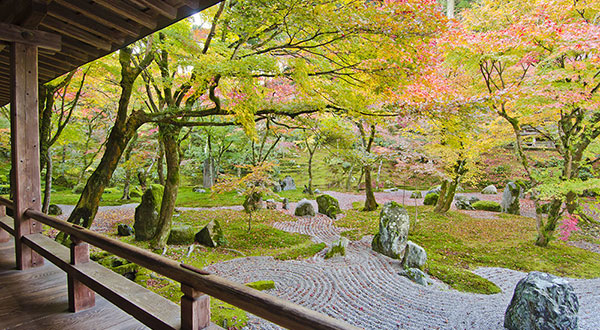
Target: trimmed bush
{"points": [[487, 206], [431, 199]]}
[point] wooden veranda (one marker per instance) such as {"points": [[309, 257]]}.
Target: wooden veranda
{"points": [[44, 285]]}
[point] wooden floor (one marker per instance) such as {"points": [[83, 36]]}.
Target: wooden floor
{"points": [[37, 299]]}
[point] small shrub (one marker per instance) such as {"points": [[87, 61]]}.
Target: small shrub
{"points": [[135, 193], [431, 199], [487, 206]]}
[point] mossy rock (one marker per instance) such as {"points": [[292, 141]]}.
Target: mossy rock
{"points": [[146, 214], [261, 285], [338, 248], [112, 261], [329, 206], [135, 193], [181, 235], [96, 256], [110, 191], [487, 206], [431, 199], [54, 209]]}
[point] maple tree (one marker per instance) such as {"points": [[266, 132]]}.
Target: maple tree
{"points": [[331, 55], [538, 66]]}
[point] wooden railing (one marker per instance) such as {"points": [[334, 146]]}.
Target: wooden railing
{"points": [[85, 276]]}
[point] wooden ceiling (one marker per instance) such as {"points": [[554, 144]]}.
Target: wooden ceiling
{"points": [[89, 29]]}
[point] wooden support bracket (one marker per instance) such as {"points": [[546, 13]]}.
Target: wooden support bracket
{"points": [[80, 296], [41, 39], [195, 309]]}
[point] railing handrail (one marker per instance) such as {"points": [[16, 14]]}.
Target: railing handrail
{"points": [[274, 309]]}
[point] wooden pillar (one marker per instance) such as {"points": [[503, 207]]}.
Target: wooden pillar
{"points": [[25, 151], [195, 309], [4, 235], [80, 296]]}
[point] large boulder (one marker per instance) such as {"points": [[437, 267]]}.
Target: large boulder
{"points": [[304, 207], [392, 237], [211, 235], [288, 184], [414, 257], [435, 190], [180, 235], [510, 199], [490, 190], [54, 209], [328, 206], [542, 301], [146, 214]]}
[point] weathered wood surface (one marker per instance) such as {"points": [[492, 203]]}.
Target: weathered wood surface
{"points": [[274, 309], [153, 310], [25, 151], [37, 299], [89, 29]]}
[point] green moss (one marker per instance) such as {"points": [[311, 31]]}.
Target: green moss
{"points": [[487, 206], [461, 279], [261, 285], [431, 199], [181, 235], [335, 250], [306, 251]]}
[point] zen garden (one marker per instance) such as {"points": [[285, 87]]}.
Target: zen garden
{"points": [[411, 164]]}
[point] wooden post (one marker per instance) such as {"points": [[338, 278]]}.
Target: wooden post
{"points": [[4, 235], [195, 309], [25, 151], [80, 296]]}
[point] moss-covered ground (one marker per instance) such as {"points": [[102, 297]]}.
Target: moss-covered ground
{"points": [[457, 243], [262, 240]]}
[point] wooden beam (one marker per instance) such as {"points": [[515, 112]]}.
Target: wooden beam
{"points": [[50, 61], [161, 7], [102, 16], [130, 12], [72, 31], [25, 152], [17, 34], [78, 46], [85, 23], [80, 296]]}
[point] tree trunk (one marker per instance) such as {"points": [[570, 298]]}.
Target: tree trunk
{"points": [[159, 165], [169, 135], [126, 187], [442, 197], [121, 133], [310, 175], [349, 179], [546, 231], [48, 183], [370, 202], [362, 173]]}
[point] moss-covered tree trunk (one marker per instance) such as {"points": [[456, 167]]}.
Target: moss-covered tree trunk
{"points": [[370, 202], [48, 182], [121, 133], [160, 168], [546, 230], [169, 135]]}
